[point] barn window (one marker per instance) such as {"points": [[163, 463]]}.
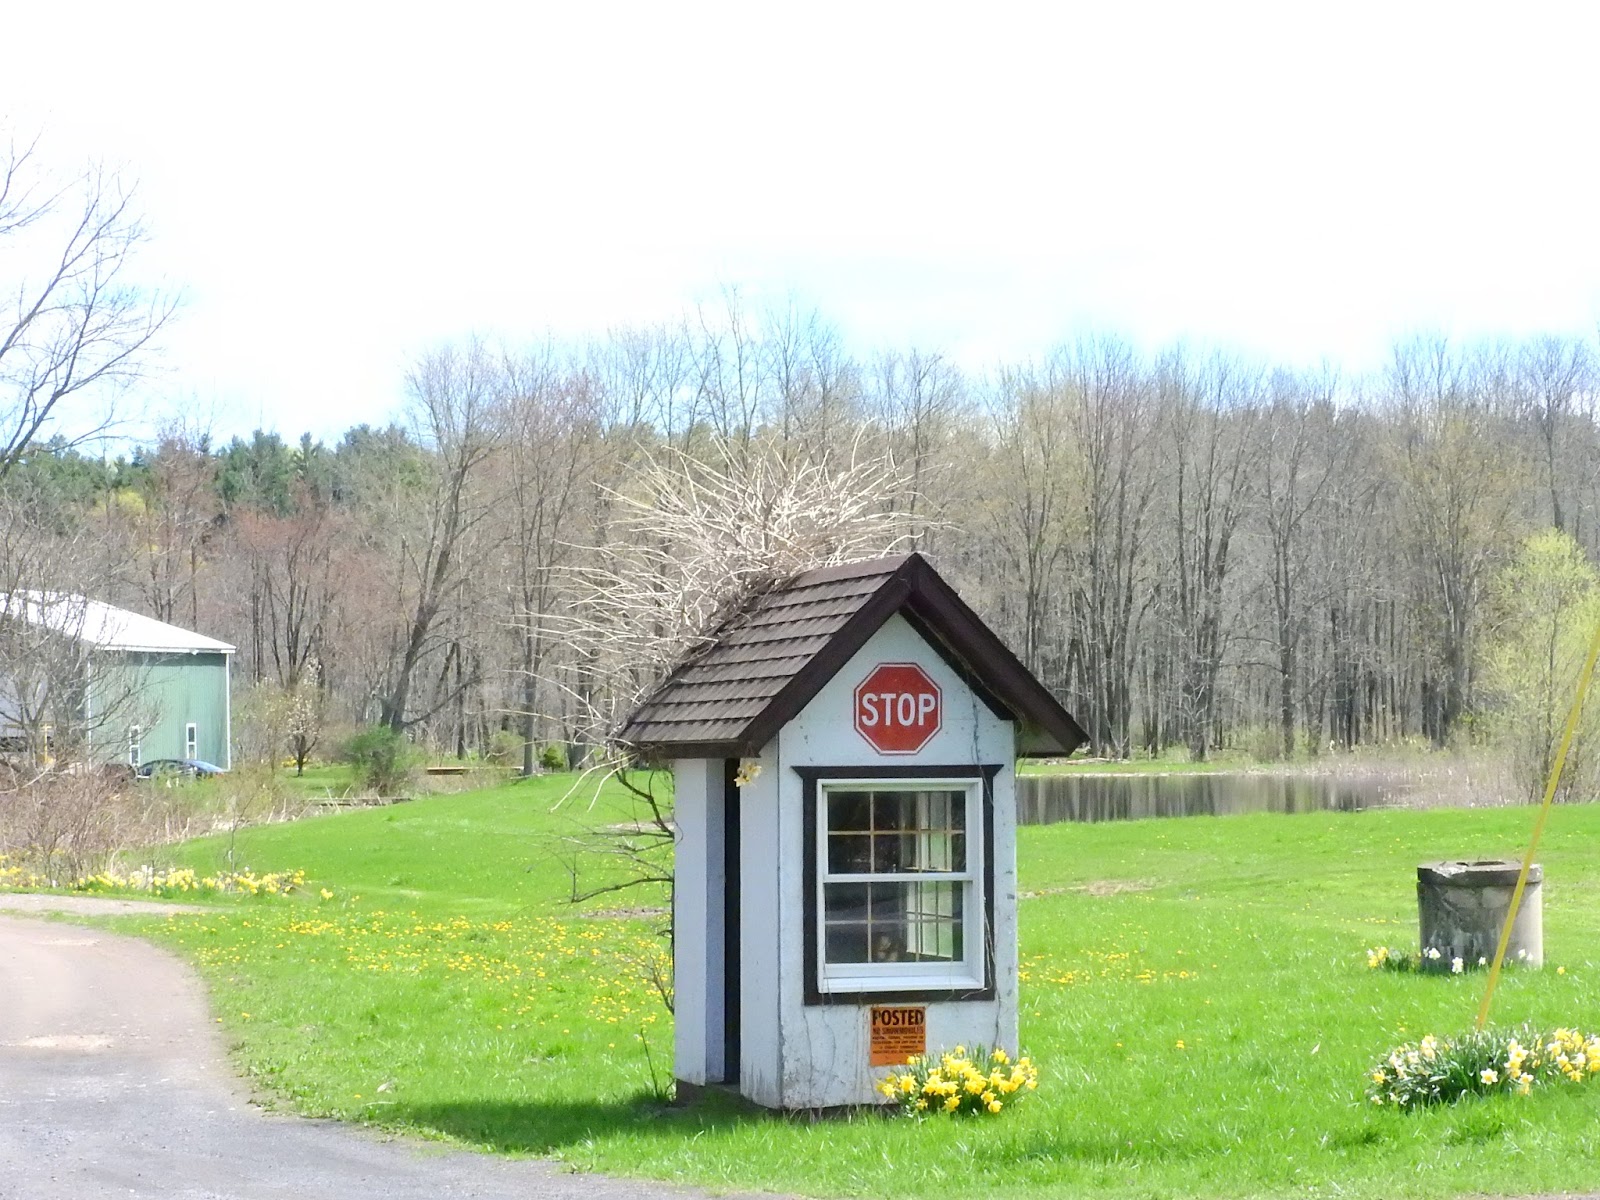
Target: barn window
{"points": [[191, 740], [134, 737], [899, 900]]}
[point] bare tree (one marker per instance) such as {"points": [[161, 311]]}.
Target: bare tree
{"points": [[1556, 378], [695, 539], [298, 575], [1033, 504], [1113, 422], [1305, 451], [1215, 456], [555, 440], [176, 514], [456, 394], [729, 375], [1459, 485], [55, 702], [74, 319], [919, 399]]}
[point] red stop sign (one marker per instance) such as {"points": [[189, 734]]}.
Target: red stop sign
{"points": [[898, 708]]}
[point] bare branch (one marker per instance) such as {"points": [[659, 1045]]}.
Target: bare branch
{"points": [[74, 321], [693, 541]]}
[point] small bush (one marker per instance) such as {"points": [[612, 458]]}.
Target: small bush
{"points": [[1481, 1063], [63, 826], [504, 749], [954, 1082], [382, 760], [553, 757]]}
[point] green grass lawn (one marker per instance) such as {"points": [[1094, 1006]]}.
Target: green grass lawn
{"points": [[319, 779], [1196, 994]]}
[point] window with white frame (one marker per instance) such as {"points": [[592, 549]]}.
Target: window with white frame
{"points": [[899, 896], [191, 740], [133, 746]]}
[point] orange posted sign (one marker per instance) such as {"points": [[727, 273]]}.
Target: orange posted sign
{"points": [[898, 1034]]}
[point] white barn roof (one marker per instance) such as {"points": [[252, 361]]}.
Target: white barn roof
{"points": [[106, 625]]}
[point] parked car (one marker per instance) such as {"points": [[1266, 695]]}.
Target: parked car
{"points": [[178, 768]]}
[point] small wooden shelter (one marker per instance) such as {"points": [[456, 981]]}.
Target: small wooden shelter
{"points": [[845, 879]]}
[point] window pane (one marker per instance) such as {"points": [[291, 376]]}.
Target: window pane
{"points": [[849, 854], [934, 921], [847, 943], [944, 810], [849, 812], [846, 902], [894, 811], [887, 853], [894, 832], [888, 941], [893, 922], [933, 851]]}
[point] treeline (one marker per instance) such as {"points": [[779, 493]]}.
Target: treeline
{"points": [[1188, 547]]}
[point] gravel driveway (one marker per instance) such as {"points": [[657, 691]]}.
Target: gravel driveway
{"points": [[113, 1082]]}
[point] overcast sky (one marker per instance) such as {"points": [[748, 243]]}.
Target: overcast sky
{"points": [[336, 188]]}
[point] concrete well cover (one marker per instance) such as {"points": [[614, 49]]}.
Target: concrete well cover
{"points": [[1483, 872]]}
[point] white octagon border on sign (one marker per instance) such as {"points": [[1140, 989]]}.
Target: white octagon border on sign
{"points": [[933, 684]]}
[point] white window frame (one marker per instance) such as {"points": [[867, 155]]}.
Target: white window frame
{"points": [[191, 740], [967, 975], [135, 740]]}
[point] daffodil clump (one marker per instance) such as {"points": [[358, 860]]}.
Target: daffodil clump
{"points": [[1431, 960], [14, 875], [1480, 1063], [183, 881], [982, 1082]]}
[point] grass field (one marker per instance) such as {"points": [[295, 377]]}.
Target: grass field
{"points": [[1196, 994]]}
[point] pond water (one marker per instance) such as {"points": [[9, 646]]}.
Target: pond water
{"points": [[1047, 799]]}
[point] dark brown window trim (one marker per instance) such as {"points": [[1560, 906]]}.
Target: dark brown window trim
{"points": [[811, 777]]}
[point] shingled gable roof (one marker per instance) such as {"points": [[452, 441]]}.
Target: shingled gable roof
{"points": [[765, 664]]}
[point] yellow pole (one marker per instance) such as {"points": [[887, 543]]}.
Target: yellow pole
{"points": [[1551, 784]]}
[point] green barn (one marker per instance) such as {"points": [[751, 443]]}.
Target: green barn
{"points": [[135, 689]]}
